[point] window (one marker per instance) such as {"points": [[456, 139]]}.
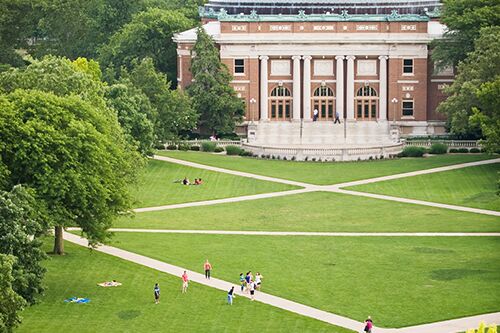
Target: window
{"points": [[239, 66], [366, 103], [280, 103], [407, 66], [407, 107]]}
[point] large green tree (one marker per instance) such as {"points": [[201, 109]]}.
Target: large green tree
{"points": [[148, 35], [22, 223], [63, 141], [10, 302], [473, 102], [464, 19], [213, 98]]}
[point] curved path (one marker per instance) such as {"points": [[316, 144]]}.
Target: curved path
{"points": [[337, 188], [449, 326]]}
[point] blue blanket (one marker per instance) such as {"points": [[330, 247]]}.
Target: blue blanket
{"points": [[77, 300]]}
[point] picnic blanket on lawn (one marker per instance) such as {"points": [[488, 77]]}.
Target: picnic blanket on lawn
{"points": [[77, 300]]}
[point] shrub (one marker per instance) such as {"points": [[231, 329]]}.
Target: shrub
{"points": [[453, 150], [208, 146], [233, 150], [184, 147], [218, 149], [412, 151], [160, 146], [171, 147], [438, 149], [246, 153], [463, 150], [475, 150], [195, 148]]}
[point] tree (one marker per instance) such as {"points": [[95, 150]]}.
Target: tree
{"points": [[473, 99], [21, 225], [173, 112], [148, 35], [464, 19], [213, 98], [135, 114], [65, 143], [10, 302]]}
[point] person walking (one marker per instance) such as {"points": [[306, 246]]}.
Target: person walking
{"points": [[230, 296], [248, 278], [208, 268], [368, 325], [337, 118], [252, 290], [185, 282], [242, 282], [157, 293], [258, 280], [315, 114]]}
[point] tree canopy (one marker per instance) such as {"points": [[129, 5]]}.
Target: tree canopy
{"points": [[10, 302], [213, 98]]}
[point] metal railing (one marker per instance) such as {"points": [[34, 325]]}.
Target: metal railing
{"points": [[449, 143]]}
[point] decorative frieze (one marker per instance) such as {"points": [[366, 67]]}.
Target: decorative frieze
{"points": [[323, 28], [408, 88], [367, 67], [280, 67], [408, 27], [237, 28], [323, 67], [366, 27], [280, 28]]}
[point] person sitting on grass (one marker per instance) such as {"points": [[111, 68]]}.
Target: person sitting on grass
{"points": [[198, 181], [185, 181]]}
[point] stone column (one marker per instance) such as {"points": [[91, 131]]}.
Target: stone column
{"points": [[350, 87], [339, 94], [264, 115], [296, 88], [307, 88], [382, 113]]}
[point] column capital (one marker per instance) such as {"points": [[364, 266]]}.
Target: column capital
{"points": [[383, 57], [351, 57], [307, 57], [296, 57], [339, 57], [263, 57]]}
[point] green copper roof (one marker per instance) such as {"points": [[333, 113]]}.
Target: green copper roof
{"points": [[344, 16]]}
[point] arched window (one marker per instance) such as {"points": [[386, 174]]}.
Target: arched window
{"points": [[324, 101], [280, 103], [366, 103]]}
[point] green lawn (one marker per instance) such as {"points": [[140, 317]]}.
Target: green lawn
{"points": [[322, 173], [156, 185], [398, 281], [130, 308], [472, 187], [317, 211]]}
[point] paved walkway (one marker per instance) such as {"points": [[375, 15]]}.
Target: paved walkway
{"points": [[306, 233], [337, 188], [450, 326]]}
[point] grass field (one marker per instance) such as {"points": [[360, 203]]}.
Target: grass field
{"points": [[399, 281], [317, 211], [471, 187], [130, 308], [156, 185], [322, 173]]}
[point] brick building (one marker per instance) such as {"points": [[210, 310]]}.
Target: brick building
{"points": [[297, 64]]}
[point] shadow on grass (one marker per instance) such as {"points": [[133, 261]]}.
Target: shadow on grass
{"points": [[455, 274], [128, 314]]}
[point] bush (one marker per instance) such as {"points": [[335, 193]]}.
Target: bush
{"points": [[453, 150], [233, 150], [246, 153], [195, 148], [208, 146], [171, 147], [463, 150], [160, 146], [438, 149], [475, 150], [412, 151], [184, 147], [218, 149]]}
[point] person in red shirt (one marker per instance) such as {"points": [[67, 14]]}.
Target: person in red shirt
{"points": [[208, 268], [368, 325], [185, 282]]}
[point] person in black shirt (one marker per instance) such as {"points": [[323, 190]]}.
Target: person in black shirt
{"points": [[157, 293]]}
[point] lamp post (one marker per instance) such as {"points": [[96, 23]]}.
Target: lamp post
{"points": [[252, 107], [394, 101]]}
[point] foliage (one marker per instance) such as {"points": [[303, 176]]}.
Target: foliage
{"points": [[148, 35], [453, 150], [135, 114], [464, 20], [475, 91], [218, 149], [64, 142], [438, 149], [213, 98], [21, 225], [412, 151], [184, 147], [208, 146], [10, 302], [195, 148], [475, 150], [233, 150], [463, 150], [171, 147]]}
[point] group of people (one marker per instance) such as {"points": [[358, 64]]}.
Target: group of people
{"points": [[316, 116], [249, 284], [197, 181], [185, 284]]}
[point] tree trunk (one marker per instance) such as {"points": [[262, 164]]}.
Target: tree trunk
{"points": [[58, 240]]}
